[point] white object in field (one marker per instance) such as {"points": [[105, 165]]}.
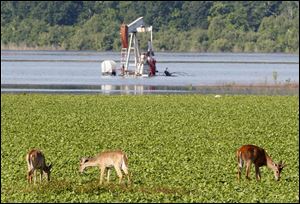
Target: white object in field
{"points": [[217, 96], [108, 66]]}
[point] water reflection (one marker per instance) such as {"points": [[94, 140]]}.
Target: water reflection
{"points": [[288, 89], [124, 89]]}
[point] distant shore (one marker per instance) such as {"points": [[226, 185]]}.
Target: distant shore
{"points": [[13, 47], [35, 48]]}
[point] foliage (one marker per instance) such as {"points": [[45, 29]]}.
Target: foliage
{"points": [[95, 25], [181, 148]]}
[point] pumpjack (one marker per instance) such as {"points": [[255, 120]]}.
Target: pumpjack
{"points": [[144, 63]]}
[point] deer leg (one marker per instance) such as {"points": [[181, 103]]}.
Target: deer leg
{"points": [[29, 176], [125, 169], [102, 170], [119, 172], [257, 173], [108, 173], [239, 172], [34, 179], [41, 176], [240, 166], [47, 175], [30, 179], [248, 165]]}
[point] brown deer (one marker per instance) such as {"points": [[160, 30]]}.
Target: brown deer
{"points": [[36, 161], [105, 161], [258, 156]]}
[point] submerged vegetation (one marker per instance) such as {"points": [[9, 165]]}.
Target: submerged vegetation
{"points": [[181, 148], [238, 26]]}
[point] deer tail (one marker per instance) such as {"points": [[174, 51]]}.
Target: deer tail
{"points": [[239, 158], [28, 159]]}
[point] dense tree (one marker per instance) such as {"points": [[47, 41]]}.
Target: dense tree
{"points": [[249, 26], [197, 15]]}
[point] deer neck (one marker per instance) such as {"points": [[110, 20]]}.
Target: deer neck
{"points": [[270, 163], [92, 162]]}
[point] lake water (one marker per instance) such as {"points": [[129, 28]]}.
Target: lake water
{"points": [[80, 72]]}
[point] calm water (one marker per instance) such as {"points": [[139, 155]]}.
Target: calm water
{"points": [[81, 71]]}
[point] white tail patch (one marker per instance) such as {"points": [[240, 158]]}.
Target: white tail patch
{"points": [[241, 161]]}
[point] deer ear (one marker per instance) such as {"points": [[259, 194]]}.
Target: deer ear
{"points": [[84, 159]]}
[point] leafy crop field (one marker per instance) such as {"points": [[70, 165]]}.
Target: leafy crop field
{"points": [[181, 148]]}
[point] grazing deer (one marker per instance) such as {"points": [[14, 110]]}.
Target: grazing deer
{"points": [[105, 161], [36, 161], [257, 155]]}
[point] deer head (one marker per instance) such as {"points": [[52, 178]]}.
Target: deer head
{"points": [[82, 165], [47, 171], [277, 169]]}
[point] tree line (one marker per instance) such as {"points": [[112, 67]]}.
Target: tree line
{"points": [[199, 26]]}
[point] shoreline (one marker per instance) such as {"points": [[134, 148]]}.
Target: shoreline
{"points": [[91, 86], [52, 48]]}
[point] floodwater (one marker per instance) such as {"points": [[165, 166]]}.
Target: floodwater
{"points": [[80, 72]]}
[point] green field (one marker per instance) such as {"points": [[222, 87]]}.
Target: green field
{"points": [[181, 148]]}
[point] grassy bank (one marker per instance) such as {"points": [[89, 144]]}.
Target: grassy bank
{"points": [[181, 148]]}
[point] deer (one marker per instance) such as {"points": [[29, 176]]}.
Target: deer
{"points": [[257, 155], [36, 161], [106, 161]]}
